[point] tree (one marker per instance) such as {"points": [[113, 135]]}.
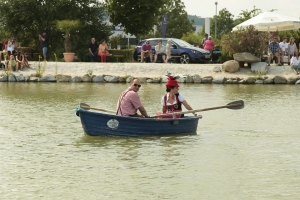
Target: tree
{"points": [[224, 23], [178, 22], [245, 15], [25, 19], [138, 17]]}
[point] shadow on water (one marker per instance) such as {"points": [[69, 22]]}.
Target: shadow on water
{"points": [[102, 141]]}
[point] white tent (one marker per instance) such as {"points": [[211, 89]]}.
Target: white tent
{"points": [[270, 21]]}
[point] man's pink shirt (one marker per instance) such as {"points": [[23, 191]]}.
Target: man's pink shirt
{"points": [[130, 103]]}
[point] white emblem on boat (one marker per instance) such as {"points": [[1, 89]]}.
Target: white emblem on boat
{"points": [[113, 123]]}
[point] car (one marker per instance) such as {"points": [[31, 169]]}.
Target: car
{"points": [[186, 52]]}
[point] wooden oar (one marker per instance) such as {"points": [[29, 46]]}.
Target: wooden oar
{"points": [[87, 107], [233, 105]]}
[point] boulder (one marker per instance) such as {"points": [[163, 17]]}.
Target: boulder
{"points": [[21, 78], [280, 80], [154, 80], [189, 79], [230, 66], [217, 69], [250, 80], [219, 80], [246, 57], [3, 79], [259, 67], [207, 79], [197, 78], [12, 78], [76, 79], [111, 79], [98, 79], [86, 78], [63, 78], [47, 78], [268, 81]]}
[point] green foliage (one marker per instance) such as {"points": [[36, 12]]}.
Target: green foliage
{"points": [[90, 72], [224, 23], [56, 67], [26, 19], [293, 33], [259, 74], [178, 22], [138, 17], [245, 40], [40, 68], [67, 26], [245, 15], [7, 72]]}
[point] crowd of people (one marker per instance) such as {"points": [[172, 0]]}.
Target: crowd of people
{"points": [[283, 52], [17, 60], [13, 60]]}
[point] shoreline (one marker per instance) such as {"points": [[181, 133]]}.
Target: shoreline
{"points": [[152, 71]]}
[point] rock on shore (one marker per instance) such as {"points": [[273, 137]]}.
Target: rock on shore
{"points": [[152, 73]]}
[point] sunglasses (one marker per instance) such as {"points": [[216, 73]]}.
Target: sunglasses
{"points": [[136, 85]]}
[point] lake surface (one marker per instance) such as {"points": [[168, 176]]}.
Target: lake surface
{"points": [[252, 153]]}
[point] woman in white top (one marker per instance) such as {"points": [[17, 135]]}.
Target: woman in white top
{"points": [[295, 60], [173, 100], [11, 46]]}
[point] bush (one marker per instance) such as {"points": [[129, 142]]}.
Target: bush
{"points": [[245, 40]]}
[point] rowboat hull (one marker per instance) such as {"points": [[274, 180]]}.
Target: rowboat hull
{"points": [[101, 124]]}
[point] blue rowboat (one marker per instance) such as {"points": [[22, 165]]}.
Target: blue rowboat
{"points": [[102, 124]]}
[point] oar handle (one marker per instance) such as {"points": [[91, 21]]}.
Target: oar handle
{"points": [[238, 104], [87, 108]]}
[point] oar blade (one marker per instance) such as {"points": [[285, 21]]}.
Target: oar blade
{"points": [[84, 106], [236, 105]]}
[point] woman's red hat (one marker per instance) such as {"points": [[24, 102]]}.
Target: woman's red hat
{"points": [[171, 82]]}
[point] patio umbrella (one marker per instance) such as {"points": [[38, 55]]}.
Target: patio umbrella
{"points": [[270, 21]]}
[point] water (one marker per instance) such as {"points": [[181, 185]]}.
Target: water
{"points": [[250, 153]]}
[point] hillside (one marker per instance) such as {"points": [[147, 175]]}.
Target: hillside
{"points": [[197, 20]]}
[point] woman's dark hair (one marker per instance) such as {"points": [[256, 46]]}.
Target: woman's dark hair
{"points": [[168, 90], [102, 41]]}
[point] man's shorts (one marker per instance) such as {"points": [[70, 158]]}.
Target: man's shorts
{"points": [[274, 54], [296, 66]]}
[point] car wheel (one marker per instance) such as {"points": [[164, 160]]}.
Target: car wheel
{"points": [[185, 59]]}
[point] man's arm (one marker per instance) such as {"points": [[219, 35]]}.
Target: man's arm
{"points": [[143, 111], [90, 50]]}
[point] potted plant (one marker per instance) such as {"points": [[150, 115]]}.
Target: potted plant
{"points": [[67, 26]]}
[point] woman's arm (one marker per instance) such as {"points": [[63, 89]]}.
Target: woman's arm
{"points": [[187, 106]]}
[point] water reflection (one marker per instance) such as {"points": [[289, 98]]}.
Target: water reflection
{"points": [[236, 154]]}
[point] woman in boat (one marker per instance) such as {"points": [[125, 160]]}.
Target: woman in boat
{"points": [[173, 100]]}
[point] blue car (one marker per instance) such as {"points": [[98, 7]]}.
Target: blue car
{"points": [[186, 52]]}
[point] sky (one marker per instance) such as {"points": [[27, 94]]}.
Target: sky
{"points": [[207, 8]]}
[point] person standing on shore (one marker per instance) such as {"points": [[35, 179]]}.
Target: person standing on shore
{"points": [[93, 49], [209, 44], [102, 51], [129, 101], [204, 39], [44, 38], [168, 50]]}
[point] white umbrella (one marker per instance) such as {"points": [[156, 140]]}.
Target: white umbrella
{"points": [[270, 21]]}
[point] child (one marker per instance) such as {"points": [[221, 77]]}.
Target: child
{"points": [[12, 64]]}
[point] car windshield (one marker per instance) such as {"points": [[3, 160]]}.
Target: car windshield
{"points": [[181, 43]]}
